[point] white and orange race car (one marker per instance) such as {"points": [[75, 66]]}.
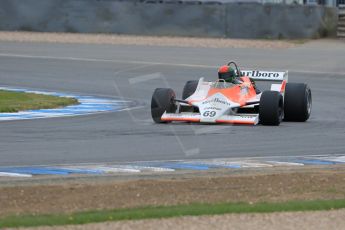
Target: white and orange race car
{"points": [[241, 103]]}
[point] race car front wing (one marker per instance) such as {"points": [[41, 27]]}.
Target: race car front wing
{"points": [[249, 119]]}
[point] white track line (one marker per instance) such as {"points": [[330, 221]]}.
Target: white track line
{"points": [[143, 62], [5, 174], [263, 158], [103, 60]]}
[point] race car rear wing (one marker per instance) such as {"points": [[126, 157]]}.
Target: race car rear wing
{"points": [[259, 75]]}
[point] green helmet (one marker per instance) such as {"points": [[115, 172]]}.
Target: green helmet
{"points": [[226, 73]]}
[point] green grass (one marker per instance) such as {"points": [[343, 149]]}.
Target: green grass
{"points": [[11, 102], [166, 211]]}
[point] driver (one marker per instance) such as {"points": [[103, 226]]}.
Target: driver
{"points": [[228, 74]]}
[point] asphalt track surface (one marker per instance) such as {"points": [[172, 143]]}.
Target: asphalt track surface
{"points": [[134, 72]]}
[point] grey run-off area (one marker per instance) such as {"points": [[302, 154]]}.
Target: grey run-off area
{"points": [[232, 20], [134, 72]]}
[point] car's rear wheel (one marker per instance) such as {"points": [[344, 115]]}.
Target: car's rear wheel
{"points": [[297, 102], [189, 88], [271, 108], [162, 100]]}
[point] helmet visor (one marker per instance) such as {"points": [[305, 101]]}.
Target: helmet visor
{"points": [[226, 75]]}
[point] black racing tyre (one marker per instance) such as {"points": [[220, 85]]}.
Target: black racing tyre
{"points": [[271, 108], [297, 102], [189, 88], [162, 100]]}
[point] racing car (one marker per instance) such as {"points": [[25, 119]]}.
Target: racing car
{"points": [[239, 101]]}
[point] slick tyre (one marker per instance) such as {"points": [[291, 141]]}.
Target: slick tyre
{"points": [[189, 88], [271, 108], [162, 100], [297, 102]]}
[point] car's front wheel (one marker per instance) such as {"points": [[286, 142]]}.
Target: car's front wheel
{"points": [[271, 108], [162, 100]]}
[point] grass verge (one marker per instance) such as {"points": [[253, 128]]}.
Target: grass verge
{"points": [[167, 211], [11, 102]]}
